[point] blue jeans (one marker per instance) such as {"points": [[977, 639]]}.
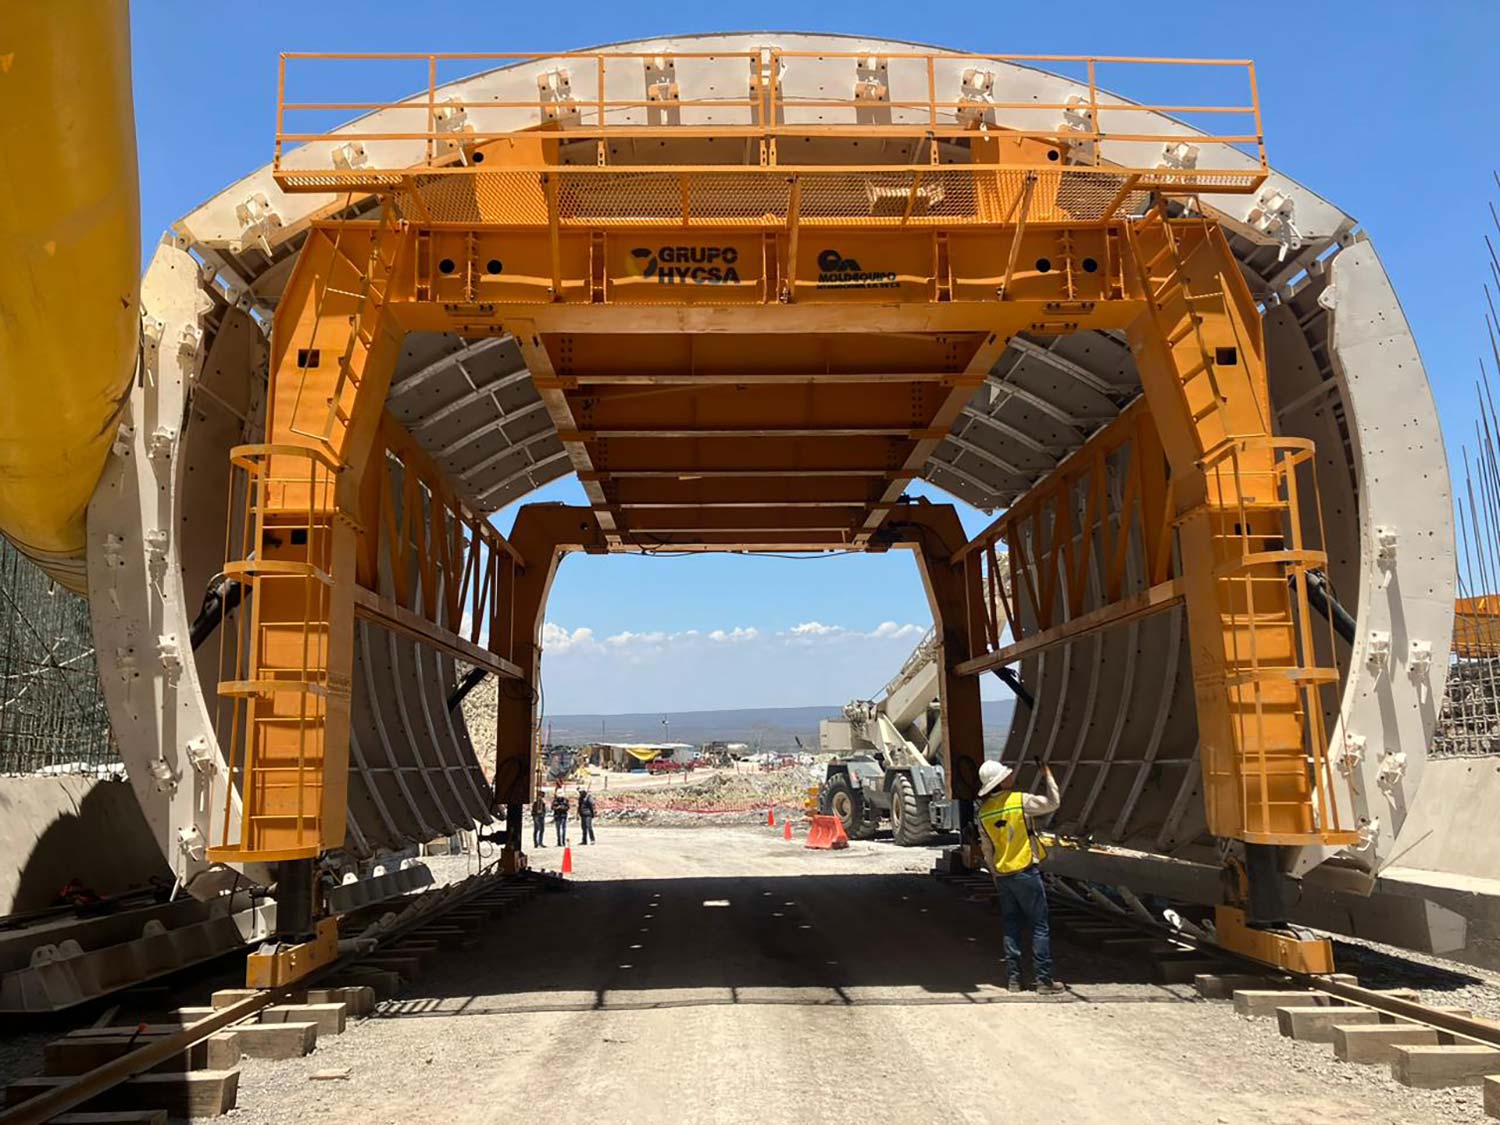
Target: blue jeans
{"points": [[1023, 904], [561, 824]]}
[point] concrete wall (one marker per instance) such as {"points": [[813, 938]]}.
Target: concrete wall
{"points": [[1452, 824], [53, 829]]}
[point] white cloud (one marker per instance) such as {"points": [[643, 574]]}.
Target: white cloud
{"points": [[629, 639], [811, 662], [810, 632], [557, 639], [816, 629]]}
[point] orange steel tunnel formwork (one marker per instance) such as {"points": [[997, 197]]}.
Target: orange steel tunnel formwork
{"points": [[719, 382], [748, 288]]}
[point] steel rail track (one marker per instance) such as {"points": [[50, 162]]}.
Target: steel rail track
{"points": [[1479, 1031], [61, 1099]]}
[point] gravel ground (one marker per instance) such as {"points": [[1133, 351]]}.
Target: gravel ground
{"points": [[630, 998]]}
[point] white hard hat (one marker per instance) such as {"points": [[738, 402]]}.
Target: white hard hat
{"points": [[991, 775]]}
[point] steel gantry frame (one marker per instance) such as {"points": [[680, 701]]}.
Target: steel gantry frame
{"points": [[761, 356]]}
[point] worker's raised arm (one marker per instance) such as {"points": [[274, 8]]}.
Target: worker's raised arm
{"points": [[1035, 804], [987, 846]]}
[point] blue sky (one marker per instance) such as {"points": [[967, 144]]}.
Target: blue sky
{"points": [[1383, 107]]}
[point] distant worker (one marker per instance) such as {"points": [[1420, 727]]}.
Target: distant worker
{"points": [[1012, 854], [539, 821], [560, 817], [586, 815]]}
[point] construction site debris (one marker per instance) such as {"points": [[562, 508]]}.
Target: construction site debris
{"points": [[721, 799]]}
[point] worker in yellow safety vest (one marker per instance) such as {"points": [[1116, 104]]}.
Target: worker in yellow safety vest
{"points": [[1012, 853]]}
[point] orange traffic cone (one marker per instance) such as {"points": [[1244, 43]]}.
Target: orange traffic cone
{"points": [[567, 867], [771, 817], [787, 824]]}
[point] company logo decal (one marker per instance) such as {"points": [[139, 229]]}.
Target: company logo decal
{"points": [[838, 272], [687, 265]]}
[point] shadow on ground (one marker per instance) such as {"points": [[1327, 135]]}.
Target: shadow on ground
{"points": [[808, 939]]}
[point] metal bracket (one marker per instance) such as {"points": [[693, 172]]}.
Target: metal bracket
{"points": [[1419, 659], [1272, 214], [1180, 156], [1392, 769], [1385, 539], [974, 92], [555, 94], [351, 155], [278, 965], [1352, 754], [1078, 117], [872, 79], [1271, 947], [257, 219]]}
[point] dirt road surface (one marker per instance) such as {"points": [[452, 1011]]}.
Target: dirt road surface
{"points": [[730, 976]]}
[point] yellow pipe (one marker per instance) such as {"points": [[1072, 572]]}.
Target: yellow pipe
{"points": [[71, 252]]}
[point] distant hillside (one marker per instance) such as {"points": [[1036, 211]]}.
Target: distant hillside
{"points": [[771, 728]]}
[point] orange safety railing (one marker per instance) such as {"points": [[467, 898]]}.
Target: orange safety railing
{"points": [[926, 97]]}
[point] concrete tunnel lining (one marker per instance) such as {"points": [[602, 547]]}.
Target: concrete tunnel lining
{"points": [[471, 408]]}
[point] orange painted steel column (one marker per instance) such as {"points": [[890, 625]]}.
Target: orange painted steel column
{"points": [[334, 348], [1200, 352]]}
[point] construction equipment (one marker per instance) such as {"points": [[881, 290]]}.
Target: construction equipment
{"points": [[747, 288], [889, 758]]}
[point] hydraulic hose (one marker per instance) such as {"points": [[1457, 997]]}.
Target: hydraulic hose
{"points": [[69, 288]]}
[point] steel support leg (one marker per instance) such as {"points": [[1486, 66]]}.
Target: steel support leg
{"points": [[296, 882]]}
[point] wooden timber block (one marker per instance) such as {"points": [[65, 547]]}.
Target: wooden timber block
{"points": [[127, 1029], [418, 946], [1455, 1064], [120, 1117], [1377, 1043], [186, 1016], [358, 998], [474, 925], [1221, 986], [465, 920], [1174, 970], [329, 1017], [408, 968], [194, 1093], [277, 1040], [1142, 944], [79, 1055], [1265, 1001], [383, 983], [224, 1050], [1491, 1096], [1315, 1024], [227, 996], [449, 937]]}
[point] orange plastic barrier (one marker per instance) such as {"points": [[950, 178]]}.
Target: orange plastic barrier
{"points": [[827, 832]]}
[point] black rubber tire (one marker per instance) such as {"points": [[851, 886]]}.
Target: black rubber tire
{"points": [[910, 821], [839, 799]]}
